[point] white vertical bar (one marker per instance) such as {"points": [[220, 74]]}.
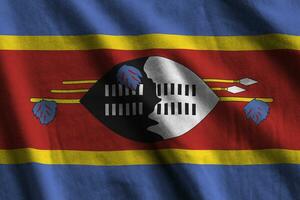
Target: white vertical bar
{"points": [[133, 92], [113, 90], [140, 108], [162, 89], [141, 89], [126, 91], [190, 109], [127, 109], [106, 109], [106, 90], [133, 108], [113, 109], [120, 90], [120, 109]]}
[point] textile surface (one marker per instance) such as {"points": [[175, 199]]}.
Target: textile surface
{"points": [[156, 99]]}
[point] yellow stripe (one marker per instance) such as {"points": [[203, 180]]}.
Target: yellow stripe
{"points": [[73, 82], [86, 90], [208, 80], [218, 88], [69, 91], [150, 41], [245, 99], [229, 99], [63, 101], [78, 82], [149, 157]]}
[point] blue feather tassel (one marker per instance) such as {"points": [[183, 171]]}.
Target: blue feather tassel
{"points": [[129, 76], [45, 111], [257, 110]]}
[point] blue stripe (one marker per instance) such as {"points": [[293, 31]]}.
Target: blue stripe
{"points": [[34, 181], [126, 17]]}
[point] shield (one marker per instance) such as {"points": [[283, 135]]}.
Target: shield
{"points": [[169, 101]]}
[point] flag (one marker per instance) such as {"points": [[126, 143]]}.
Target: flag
{"points": [[149, 99]]}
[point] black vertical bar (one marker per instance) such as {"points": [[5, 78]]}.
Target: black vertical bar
{"points": [[179, 89], [166, 108], [194, 90], [194, 109], [186, 90], [137, 90], [179, 108], [173, 108], [172, 88], [123, 89], [130, 109], [166, 89], [120, 89], [158, 90], [158, 109], [186, 108], [117, 105]]}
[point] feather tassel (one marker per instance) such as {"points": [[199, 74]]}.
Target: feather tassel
{"points": [[257, 111]]}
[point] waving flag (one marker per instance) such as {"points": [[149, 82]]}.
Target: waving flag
{"points": [[129, 99]]}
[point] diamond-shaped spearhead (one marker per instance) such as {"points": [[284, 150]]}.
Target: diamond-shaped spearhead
{"points": [[247, 81], [235, 89]]}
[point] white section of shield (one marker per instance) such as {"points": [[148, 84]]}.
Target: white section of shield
{"points": [[162, 70]]}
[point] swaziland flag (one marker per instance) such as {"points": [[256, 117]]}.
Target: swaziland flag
{"points": [[130, 99]]}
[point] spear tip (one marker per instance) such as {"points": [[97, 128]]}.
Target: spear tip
{"points": [[247, 81], [235, 89]]}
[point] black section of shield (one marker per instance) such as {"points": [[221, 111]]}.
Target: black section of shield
{"points": [[133, 126]]}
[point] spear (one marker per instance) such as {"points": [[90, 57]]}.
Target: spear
{"points": [[224, 99], [232, 89], [243, 81]]}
